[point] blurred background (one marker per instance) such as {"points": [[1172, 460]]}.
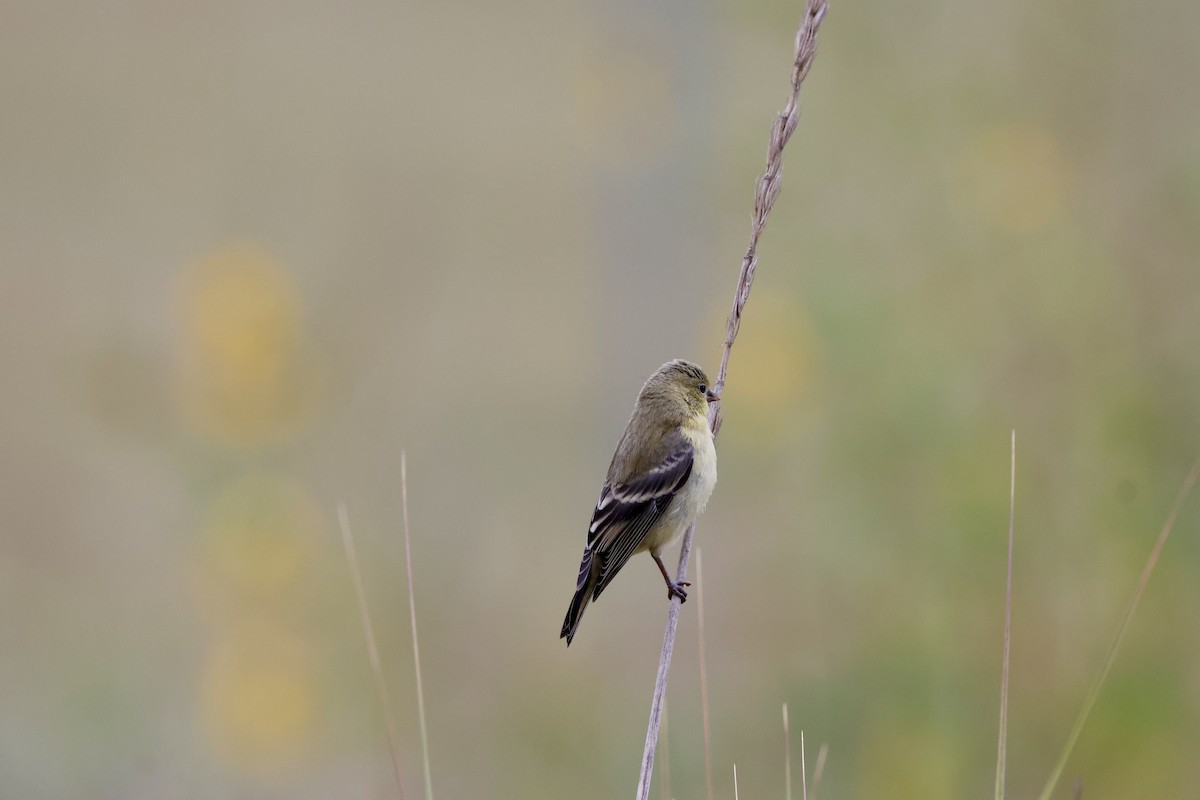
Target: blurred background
{"points": [[251, 251]]}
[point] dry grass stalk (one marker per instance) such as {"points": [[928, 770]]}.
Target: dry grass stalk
{"points": [[412, 611], [764, 200], [787, 755], [1001, 755], [703, 678], [819, 769], [372, 650], [803, 772]]}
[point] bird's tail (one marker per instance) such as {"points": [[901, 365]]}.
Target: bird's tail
{"points": [[583, 594]]}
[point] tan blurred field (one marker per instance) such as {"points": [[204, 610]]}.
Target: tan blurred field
{"points": [[252, 251]]}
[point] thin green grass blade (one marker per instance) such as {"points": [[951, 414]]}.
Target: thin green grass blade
{"points": [[1147, 571]]}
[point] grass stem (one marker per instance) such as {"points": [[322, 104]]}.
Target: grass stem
{"points": [[1002, 748], [764, 200], [372, 649], [1147, 571], [412, 612]]}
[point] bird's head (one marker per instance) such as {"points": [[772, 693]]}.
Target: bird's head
{"points": [[679, 386]]}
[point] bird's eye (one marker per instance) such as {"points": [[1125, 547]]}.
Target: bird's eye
{"points": [[703, 388]]}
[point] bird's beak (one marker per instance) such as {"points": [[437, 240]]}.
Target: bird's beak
{"points": [[712, 395]]}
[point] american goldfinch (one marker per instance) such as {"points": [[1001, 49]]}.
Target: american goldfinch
{"points": [[658, 483]]}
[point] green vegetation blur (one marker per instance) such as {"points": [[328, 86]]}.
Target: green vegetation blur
{"points": [[253, 251]]}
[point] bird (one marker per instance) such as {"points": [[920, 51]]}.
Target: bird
{"points": [[661, 476]]}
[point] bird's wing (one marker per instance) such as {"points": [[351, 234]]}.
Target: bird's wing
{"points": [[627, 511]]}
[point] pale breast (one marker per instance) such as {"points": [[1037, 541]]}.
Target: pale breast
{"points": [[704, 471], [693, 496]]}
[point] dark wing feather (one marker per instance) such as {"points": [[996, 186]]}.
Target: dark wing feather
{"points": [[624, 544], [628, 511]]}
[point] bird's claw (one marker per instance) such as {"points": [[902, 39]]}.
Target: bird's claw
{"points": [[677, 590]]}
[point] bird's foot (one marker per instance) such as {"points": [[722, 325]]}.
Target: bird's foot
{"points": [[677, 590]]}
